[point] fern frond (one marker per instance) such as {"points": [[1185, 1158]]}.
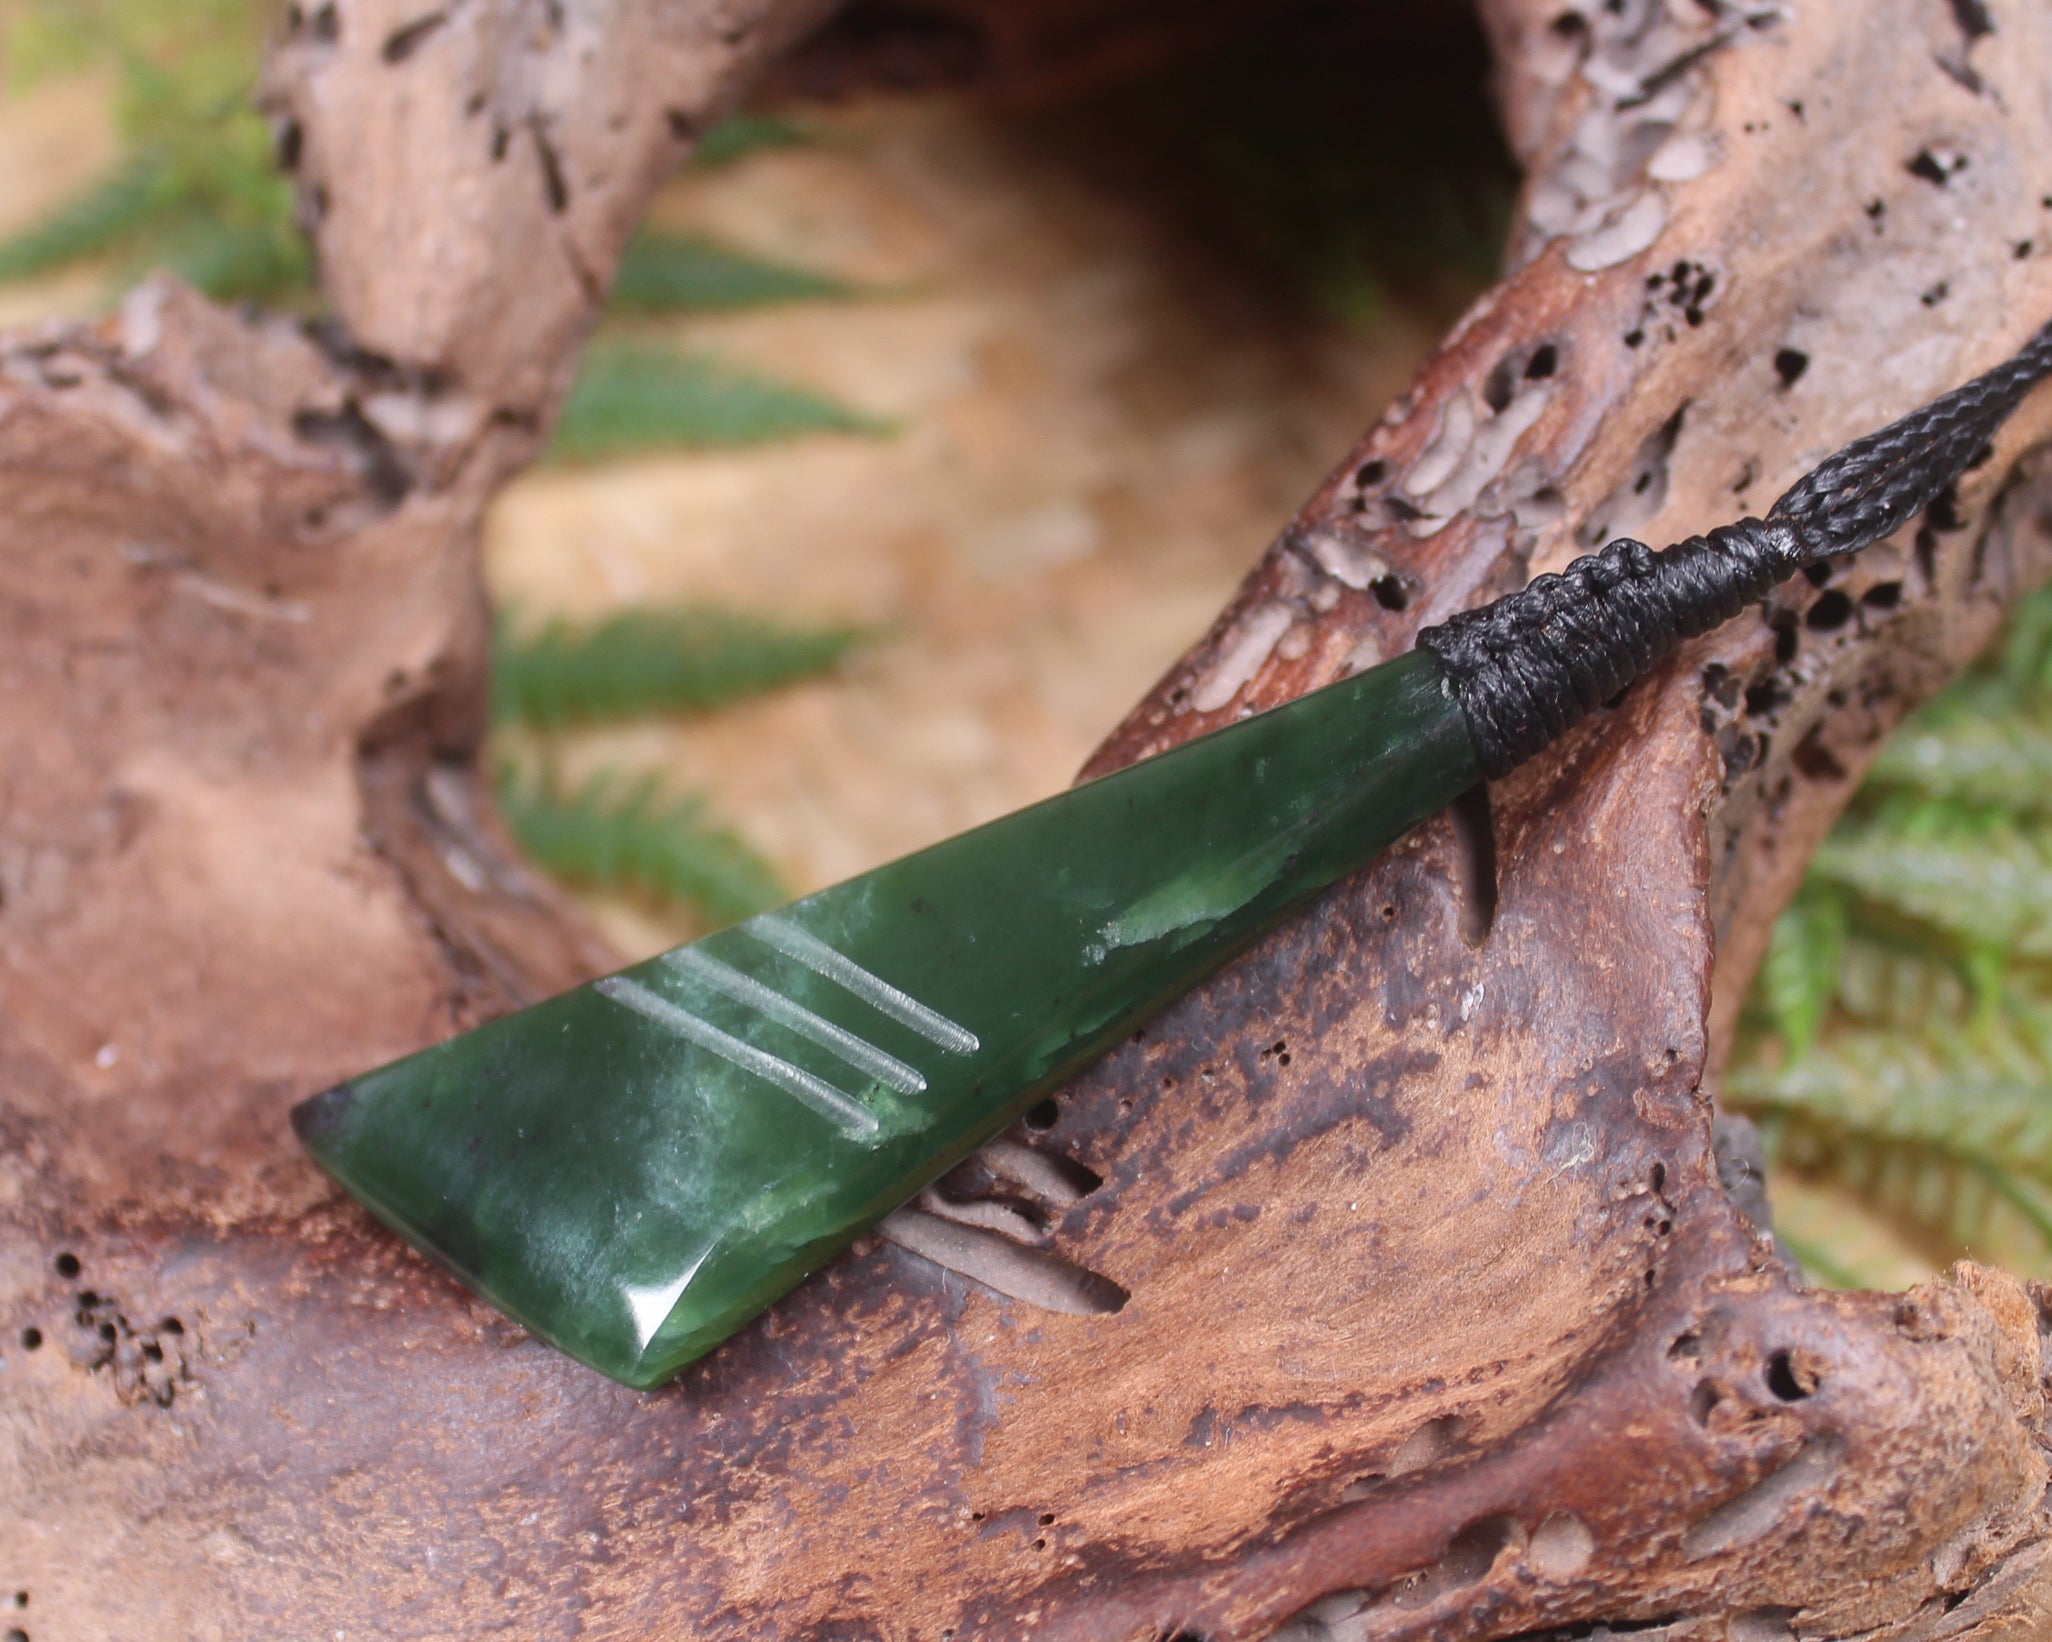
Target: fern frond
{"points": [[1927, 1086], [634, 398], [687, 273], [1983, 1100], [1948, 1204], [654, 660], [1799, 978], [1821, 1266], [107, 215], [624, 834], [2023, 661], [739, 135], [1894, 977], [1989, 888], [1983, 758], [233, 261], [201, 191]]}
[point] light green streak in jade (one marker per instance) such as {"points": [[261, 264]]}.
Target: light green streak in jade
{"points": [[638, 1167]]}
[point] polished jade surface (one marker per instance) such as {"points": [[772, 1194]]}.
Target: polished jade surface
{"points": [[638, 1167]]}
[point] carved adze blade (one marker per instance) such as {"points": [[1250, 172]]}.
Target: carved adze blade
{"points": [[636, 1168]]}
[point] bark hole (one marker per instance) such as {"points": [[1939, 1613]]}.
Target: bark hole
{"points": [[1562, 1546], [1937, 166], [1432, 1442], [1831, 612], [1759, 1509], [1793, 1376], [1469, 1557], [1474, 830], [1644, 491], [1036, 1276], [403, 41], [555, 187]]}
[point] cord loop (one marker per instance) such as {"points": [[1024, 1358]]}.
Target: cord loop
{"points": [[1531, 665]]}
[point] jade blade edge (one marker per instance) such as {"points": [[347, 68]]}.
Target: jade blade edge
{"points": [[636, 1168]]}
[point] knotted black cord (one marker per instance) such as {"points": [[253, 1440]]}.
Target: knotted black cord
{"points": [[1529, 666]]}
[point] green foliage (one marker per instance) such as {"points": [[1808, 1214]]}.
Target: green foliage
{"points": [[632, 398], [254, 262], [197, 189], [1978, 882], [1819, 1263], [686, 273], [1990, 752], [1900, 1035], [101, 220], [618, 832], [1980, 1098], [1800, 974], [740, 135], [653, 660]]}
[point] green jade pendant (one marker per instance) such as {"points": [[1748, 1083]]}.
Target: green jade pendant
{"points": [[638, 1167]]}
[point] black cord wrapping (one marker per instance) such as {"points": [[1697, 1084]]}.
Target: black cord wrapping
{"points": [[1531, 665]]}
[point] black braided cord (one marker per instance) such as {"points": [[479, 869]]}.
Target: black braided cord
{"points": [[1531, 665]]}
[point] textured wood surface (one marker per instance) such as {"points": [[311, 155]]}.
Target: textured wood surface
{"points": [[1440, 1323]]}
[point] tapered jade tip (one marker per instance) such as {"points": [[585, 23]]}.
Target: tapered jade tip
{"points": [[314, 1119], [638, 1167]]}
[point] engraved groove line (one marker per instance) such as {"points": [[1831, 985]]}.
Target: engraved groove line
{"points": [[780, 935], [888, 1070], [822, 1097]]}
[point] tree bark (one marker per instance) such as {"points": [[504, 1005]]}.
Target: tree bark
{"points": [[1441, 1324]]}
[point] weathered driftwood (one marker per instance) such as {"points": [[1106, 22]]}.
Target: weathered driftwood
{"points": [[1439, 1322], [1018, 51]]}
